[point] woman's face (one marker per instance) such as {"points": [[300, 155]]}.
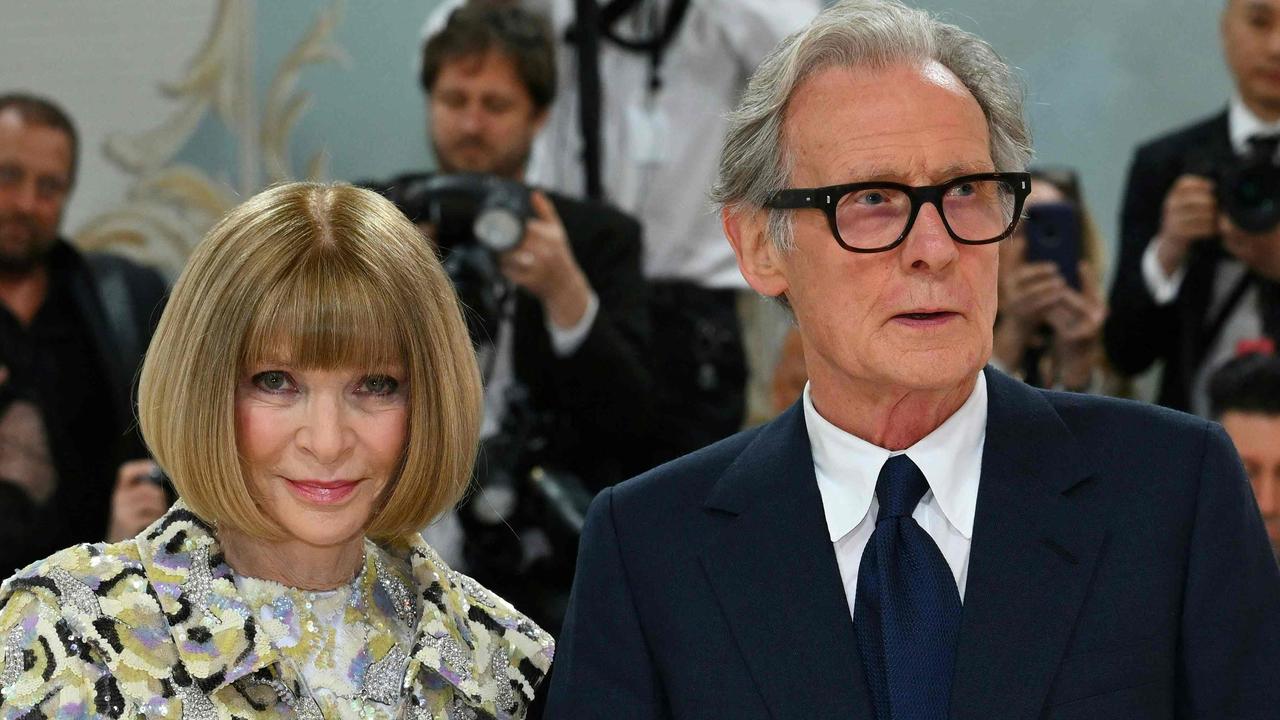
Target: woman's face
{"points": [[319, 447]]}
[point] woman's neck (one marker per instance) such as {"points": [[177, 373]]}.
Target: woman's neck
{"points": [[293, 563]]}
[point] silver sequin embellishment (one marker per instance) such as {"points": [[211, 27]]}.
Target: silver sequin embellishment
{"points": [[401, 598], [474, 590], [454, 657], [383, 679], [199, 583], [13, 660], [420, 713], [498, 662], [76, 594], [461, 711], [195, 704]]}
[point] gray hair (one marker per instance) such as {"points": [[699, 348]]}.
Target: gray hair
{"points": [[755, 162]]}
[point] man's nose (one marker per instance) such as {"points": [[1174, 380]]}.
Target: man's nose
{"points": [[325, 433], [929, 246]]}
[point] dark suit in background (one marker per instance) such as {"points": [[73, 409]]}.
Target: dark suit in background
{"points": [[601, 394], [1139, 331], [1118, 570], [93, 329]]}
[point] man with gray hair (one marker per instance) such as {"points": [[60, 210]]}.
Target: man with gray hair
{"points": [[920, 536]]}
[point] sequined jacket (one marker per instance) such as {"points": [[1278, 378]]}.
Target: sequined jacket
{"points": [[153, 627]]}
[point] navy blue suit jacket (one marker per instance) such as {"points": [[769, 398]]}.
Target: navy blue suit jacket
{"points": [[1119, 569]]}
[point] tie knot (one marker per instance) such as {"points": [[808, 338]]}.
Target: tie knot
{"points": [[899, 487], [1263, 146]]}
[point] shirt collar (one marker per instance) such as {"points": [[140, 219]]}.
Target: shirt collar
{"points": [[1242, 124], [950, 457]]}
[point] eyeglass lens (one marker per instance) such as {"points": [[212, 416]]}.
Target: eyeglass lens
{"points": [[975, 210]]}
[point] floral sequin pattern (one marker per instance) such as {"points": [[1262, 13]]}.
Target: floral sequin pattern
{"points": [[160, 626]]}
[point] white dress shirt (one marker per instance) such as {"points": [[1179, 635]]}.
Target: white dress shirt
{"points": [[661, 149], [1244, 322], [950, 457]]}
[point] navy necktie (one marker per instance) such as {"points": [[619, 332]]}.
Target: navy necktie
{"points": [[907, 610]]}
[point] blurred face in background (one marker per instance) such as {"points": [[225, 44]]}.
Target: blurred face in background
{"points": [[481, 116], [1257, 439], [1251, 41], [35, 180]]}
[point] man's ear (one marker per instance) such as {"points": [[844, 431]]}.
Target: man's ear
{"points": [[758, 258]]}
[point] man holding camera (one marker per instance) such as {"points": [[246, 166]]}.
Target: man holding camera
{"points": [[570, 342], [1200, 251]]}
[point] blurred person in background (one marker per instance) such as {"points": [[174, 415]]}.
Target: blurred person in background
{"points": [[73, 327], [1049, 324], [1199, 258], [313, 394], [568, 386], [642, 114], [1245, 397]]}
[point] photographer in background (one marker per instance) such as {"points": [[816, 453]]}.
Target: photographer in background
{"points": [[73, 329], [574, 330], [1244, 396], [1199, 265]]}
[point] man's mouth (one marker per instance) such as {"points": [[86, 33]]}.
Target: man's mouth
{"points": [[927, 315]]}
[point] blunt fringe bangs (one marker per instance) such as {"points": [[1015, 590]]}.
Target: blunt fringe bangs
{"points": [[320, 276]]}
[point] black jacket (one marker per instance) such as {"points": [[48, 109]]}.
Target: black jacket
{"points": [[1139, 332], [1118, 570], [599, 399], [119, 302]]}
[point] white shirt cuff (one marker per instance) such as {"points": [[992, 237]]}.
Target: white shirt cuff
{"points": [[1163, 288], [566, 341]]}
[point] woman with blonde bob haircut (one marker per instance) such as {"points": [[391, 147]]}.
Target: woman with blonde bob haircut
{"points": [[313, 395]]}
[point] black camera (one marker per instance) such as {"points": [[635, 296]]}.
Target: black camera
{"points": [[473, 218], [1247, 188], [1249, 193]]}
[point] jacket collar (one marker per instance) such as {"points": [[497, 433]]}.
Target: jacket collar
{"points": [[219, 641]]}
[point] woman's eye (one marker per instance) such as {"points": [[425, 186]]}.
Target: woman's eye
{"points": [[272, 381], [380, 385]]}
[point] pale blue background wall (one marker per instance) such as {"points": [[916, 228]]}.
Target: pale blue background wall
{"points": [[1101, 75]]}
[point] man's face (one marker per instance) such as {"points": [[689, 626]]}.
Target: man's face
{"points": [[1257, 439], [35, 179], [919, 316], [481, 117], [1251, 41]]}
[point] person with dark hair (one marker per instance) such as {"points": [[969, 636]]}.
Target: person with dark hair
{"points": [[573, 325], [73, 327], [1244, 395], [1191, 280]]}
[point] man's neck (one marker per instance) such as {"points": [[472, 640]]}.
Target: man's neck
{"points": [[24, 293], [1267, 114], [887, 417]]}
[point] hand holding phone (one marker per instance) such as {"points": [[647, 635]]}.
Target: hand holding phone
{"points": [[1053, 235]]}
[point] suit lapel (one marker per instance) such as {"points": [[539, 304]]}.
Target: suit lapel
{"points": [[773, 569], [1034, 548]]}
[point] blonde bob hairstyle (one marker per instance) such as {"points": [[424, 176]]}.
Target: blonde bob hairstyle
{"points": [[325, 277]]}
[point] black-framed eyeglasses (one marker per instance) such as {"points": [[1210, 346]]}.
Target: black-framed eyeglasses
{"points": [[872, 217]]}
